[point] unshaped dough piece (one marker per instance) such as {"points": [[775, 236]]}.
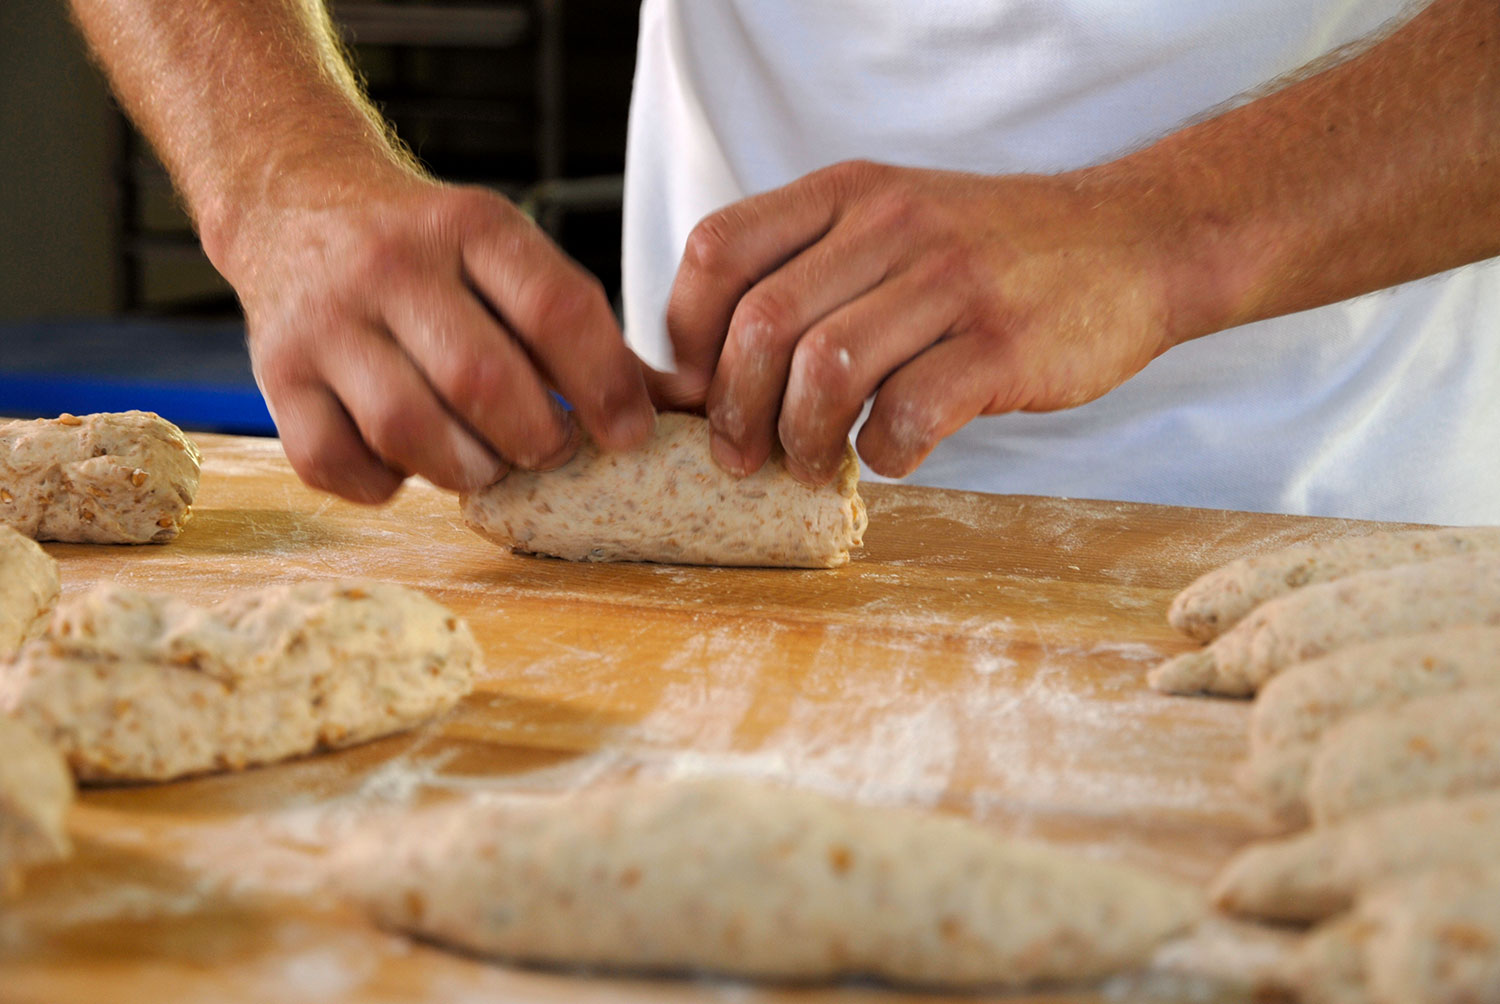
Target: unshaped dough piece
{"points": [[115, 478], [138, 687], [1320, 872], [1318, 619], [1433, 938], [733, 877], [1446, 744], [1219, 599], [35, 794], [671, 502], [28, 589], [1300, 704]]}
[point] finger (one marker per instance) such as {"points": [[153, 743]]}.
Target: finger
{"points": [[670, 393], [399, 417], [481, 374], [325, 449], [924, 402], [845, 358], [732, 249], [768, 329], [560, 314]]}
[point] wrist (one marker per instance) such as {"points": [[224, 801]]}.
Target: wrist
{"points": [[320, 161], [245, 210], [1210, 258]]}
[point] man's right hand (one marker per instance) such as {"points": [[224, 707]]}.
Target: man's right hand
{"points": [[400, 326]]}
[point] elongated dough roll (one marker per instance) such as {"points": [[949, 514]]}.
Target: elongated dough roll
{"points": [[1447, 744], [727, 876], [1218, 600], [670, 502], [1431, 939], [28, 589], [1299, 705], [115, 478], [137, 687], [1315, 620], [1318, 873], [36, 792]]}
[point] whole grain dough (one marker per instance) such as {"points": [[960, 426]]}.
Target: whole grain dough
{"points": [[1300, 704], [671, 502], [1218, 600], [28, 589], [1433, 938], [138, 687], [1318, 619], [1315, 874], [1446, 744], [734, 877], [115, 478], [36, 792]]}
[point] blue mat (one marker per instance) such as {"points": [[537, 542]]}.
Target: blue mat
{"points": [[195, 374]]}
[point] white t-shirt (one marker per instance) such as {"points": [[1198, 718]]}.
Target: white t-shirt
{"points": [[1384, 407]]}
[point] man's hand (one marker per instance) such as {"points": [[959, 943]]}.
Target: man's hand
{"points": [[399, 326], [943, 295], [949, 296]]}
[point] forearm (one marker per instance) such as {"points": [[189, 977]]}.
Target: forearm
{"points": [[240, 100], [1382, 169]]}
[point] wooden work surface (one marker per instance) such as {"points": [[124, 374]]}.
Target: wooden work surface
{"points": [[983, 655]]}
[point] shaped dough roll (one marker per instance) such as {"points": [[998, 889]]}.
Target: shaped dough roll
{"points": [[137, 687], [36, 792], [1219, 599], [1314, 620], [28, 589], [1318, 873], [1298, 706], [670, 502], [1441, 745], [116, 478], [1430, 939], [726, 876]]}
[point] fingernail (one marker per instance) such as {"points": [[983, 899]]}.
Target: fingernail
{"points": [[562, 454], [805, 475], [727, 455], [478, 467]]}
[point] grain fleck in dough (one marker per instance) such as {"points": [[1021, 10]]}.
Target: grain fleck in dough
{"points": [[728, 876], [1433, 938], [115, 478], [670, 502], [1317, 873], [138, 687], [36, 792], [28, 589], [1446, 744], [1216, 601], [1318, 619], [1298, 706]]}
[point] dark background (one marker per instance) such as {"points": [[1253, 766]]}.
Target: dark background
{"points": [[482, 92]]}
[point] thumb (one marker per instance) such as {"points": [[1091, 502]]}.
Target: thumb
{"points": [[675, 391]]}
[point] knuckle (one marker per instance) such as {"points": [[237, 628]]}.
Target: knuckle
{"points": [[559, 306], [892, 208], [822, 362], [849, 176], [468, 378], [396, 433], [764, 324], [709, 245]]}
